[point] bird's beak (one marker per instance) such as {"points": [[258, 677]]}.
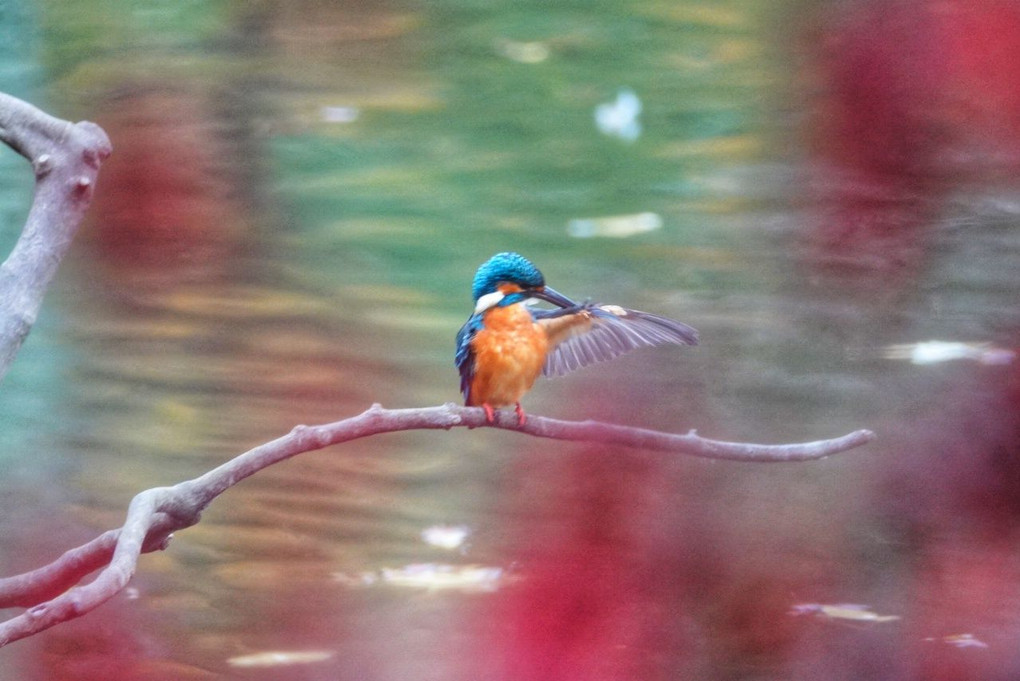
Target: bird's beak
{"points": [[552, 296]]}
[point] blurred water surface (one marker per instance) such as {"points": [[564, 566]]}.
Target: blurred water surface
{"points": [[299, 196]]}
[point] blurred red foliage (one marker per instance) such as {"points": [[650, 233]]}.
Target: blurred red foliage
{"points": [[915, 96]]}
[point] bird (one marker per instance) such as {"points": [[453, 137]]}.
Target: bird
{"points": [[506, 342]]}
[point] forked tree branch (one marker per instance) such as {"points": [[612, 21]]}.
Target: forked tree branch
{"points": [[65, 158], [156, 513]]}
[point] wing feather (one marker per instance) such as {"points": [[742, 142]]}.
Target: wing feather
{"points": [[597, 333], [465, 356]]}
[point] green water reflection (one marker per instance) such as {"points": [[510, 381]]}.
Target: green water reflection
{"points": [[286, 233]]}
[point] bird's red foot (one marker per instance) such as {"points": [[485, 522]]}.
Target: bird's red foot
{"points": [[521, 418], [490, 414]]}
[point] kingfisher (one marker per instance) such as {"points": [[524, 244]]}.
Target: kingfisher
{"points": [[507, 343]]}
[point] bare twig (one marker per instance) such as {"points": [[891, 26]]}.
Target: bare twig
{"points": [[65, 158], [154, 514]]}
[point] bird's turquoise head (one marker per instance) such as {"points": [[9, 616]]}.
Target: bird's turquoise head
{"points": [[512, 269], [508, 278]]}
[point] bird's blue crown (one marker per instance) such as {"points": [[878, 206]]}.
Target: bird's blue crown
{"points": [[511, 267]]}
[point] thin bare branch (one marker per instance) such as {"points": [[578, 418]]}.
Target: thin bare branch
{"points": [[65, 158], [154, 514]]}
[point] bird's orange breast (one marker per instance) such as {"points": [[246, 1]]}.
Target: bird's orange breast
{"points": [[509, 353]]}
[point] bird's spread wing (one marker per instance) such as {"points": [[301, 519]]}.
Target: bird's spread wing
{"points": [[595, 333], [465, 357]]}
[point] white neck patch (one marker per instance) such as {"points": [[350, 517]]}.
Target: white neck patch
{"points": [[489, 300]]}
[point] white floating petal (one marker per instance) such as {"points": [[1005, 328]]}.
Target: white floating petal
{"points": [[619, 118], [446, 536], [614, 226], [279, 658]]}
